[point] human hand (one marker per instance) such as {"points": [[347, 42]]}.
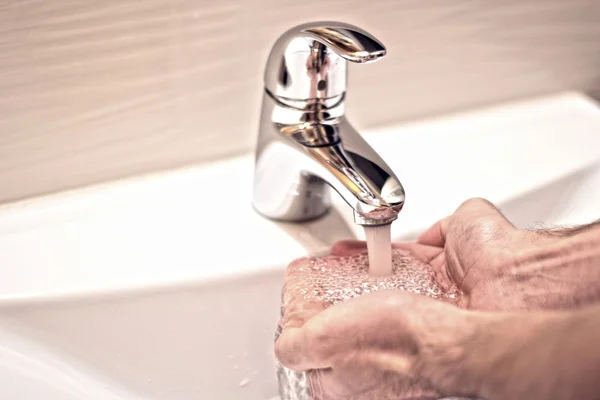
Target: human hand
{"points": [[300, 307], [395, 345], [500, 267], [348, 353], [387, 345]]}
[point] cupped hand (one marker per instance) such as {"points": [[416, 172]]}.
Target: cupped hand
{"points": [[477, 249], [393, 345], [388, 345], [369, 347], [500, 267]]}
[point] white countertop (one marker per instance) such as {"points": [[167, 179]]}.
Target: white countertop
{"points": [[194, 224]]}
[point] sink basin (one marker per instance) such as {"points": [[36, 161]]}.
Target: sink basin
{"points": [[198, 341], [131, 290]]}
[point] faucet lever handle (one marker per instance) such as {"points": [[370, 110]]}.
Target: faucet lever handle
{"points": [[308, 62], [349, 42]]}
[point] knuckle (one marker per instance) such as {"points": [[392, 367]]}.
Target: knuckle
{"points": [[476, 202], [283, 355], [289, 351], [342, 245], [319, 342]]}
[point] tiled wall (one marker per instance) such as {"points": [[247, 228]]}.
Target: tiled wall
{"points": [[94, 90]]}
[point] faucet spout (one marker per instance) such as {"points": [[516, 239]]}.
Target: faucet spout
{"points": [[305, 144]]}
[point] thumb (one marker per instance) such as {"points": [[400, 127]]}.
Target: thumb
{"points": [[470, 210], [436, 234], [478, 208]]}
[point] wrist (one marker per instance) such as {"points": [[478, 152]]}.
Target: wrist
{"points": [[540, 355], [511, 343], [559, 272], [450, 358], [493, 350], [476, 359]]}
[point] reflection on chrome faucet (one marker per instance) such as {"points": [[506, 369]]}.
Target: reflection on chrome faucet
{"points": [[305, 142]]}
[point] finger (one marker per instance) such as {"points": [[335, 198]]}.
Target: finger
{"points": [[477, 208], [313, 344], [297, 308], [355, 324], [320, 382], [348, 248], [363, 375], [421, 252], [398, 363], [436, 234], [298, 311], [440, 271], [471, 208], [297, 265], [293, 351], [292, 273], [477, 204]]}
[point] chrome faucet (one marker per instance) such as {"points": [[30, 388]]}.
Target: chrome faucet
{"points": [[305, 143]]}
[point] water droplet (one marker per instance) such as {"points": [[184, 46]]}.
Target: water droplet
{"points": [[236, 367], [452, 296], [245, 382], [336, 279]]}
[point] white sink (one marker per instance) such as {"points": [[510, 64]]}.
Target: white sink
{"points": [[150, 289]]}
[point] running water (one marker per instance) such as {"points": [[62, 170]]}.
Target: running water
{"points": [[379, 247], [379, 241]]}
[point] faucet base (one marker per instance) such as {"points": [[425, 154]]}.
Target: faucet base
{"points": [[309, 218], [304, 198]]}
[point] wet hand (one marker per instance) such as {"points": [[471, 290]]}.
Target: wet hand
{"points": [[387, 345], [338, 368], [498, 266]]}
